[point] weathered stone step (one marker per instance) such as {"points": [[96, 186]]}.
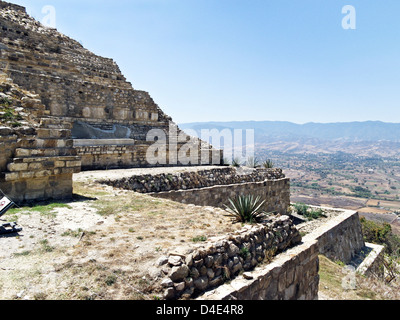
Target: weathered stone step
{"points": [[32, 143], [52, 123], [30, 174], [43, 152], [44, 159], [37, 167], [45, 133]]}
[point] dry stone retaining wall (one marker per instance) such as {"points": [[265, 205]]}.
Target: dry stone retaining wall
{"points": [[214, 187], [40, 165], [275, 192], [293, 275], [37, 159], [194, 180], [373, 263], [224, 258], [341, 238]]}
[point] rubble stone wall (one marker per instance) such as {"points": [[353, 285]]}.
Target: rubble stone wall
{"points": [[213, 187], [293, 275], [223, 259], [275, 192], [194, 180]]}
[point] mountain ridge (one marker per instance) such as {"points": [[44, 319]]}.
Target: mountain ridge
{"points": [[351, 131]]}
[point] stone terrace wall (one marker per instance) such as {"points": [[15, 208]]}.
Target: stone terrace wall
{"points": [[214, 187], [293, 275], [224, 258], [275, 192], [8, 144], [194, 180], [372, 266], [341, 238], [121, 155]]}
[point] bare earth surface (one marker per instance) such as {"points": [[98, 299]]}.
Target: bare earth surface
{"points": [[103, 244]]}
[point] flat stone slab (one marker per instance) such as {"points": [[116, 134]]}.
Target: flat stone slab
{"points": [[123, 173], [103, 142]]}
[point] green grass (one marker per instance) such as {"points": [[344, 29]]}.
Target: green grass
{"points": [[199, 239], [44, 210], [45, 246], [48, 210], [72, 233]]}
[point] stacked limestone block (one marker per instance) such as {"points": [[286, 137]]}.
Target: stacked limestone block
{"points": [[37, 158]]}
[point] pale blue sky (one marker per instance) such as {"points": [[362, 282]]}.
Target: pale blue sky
{"points": [[234, 60]]}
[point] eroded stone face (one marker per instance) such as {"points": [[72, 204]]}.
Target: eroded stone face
{"points": [[72, 82]]}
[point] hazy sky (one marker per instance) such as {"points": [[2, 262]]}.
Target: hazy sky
{"points": [[227, 60]]}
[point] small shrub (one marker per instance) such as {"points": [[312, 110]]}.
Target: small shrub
{"points": [[315, 214], [72, 233], [301, 208], [382, 234], [111, 279], [45, 246], [308, 212]]}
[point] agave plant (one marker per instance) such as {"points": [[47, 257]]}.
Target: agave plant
{"points": [[236, 162], [252, 162], [268, 164], [246, 208]]}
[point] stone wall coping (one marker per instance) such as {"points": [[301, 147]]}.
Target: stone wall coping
{"points": [[376, 252], [330, 224], [103, 142], [216, 187]]}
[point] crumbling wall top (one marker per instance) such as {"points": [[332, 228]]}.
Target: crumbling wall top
{"points": [[4, 4]]}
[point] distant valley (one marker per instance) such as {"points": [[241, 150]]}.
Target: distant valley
{"points": [[371, 138], [353, 165]]}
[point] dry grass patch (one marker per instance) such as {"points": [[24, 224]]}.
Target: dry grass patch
{"points": [[334, 286], [103, 245]]}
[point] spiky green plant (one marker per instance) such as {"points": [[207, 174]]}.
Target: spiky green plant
{"points": [[246, 208], [236, 162], [253, 162], [268, 164]]}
